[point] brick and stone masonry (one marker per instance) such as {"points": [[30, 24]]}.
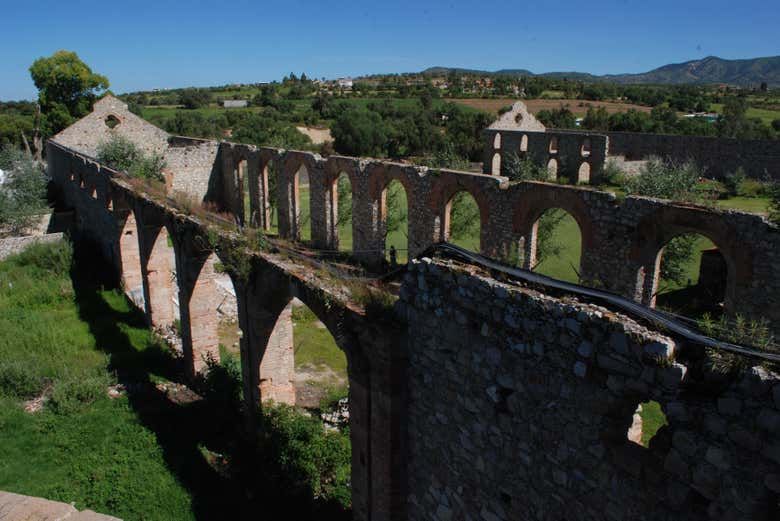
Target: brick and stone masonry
{"points": [[480, 399]]}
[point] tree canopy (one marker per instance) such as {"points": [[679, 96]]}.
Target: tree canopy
{"points": [[67, 87]]}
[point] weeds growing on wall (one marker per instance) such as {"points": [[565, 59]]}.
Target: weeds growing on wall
{"points": [[22, 192], [774, 207], [741, 331]]}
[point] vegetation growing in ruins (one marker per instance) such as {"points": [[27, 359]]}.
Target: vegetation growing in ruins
{"points": [[774, 209], [148, 451], [22, 192], [123, 155]]}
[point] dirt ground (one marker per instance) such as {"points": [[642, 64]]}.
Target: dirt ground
{"points": [[317, 135], [579, 107]]}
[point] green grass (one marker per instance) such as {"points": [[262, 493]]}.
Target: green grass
{"points": [[653, 418], [566, 265], [765, 115], [746, 204], [97, 454], [314, 345]]}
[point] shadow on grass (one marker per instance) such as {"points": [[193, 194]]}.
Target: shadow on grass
{"points": [[692, 302], [202, 441]]}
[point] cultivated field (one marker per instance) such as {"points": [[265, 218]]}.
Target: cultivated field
{"points": [[579, 107]]}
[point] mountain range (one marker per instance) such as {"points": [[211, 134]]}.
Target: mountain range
{"points": [[748, 72]]}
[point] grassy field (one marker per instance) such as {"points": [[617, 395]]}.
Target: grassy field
{"points": [[83, 447], [314, 345], [765, 115]]}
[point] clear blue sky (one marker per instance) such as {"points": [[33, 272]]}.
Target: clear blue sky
{"points": [[157, 44]]}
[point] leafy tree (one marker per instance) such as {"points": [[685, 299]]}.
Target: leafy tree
{"points": [[194, 98], [557, 118], [22, 192], [396, 208], [360, 132], [67, 88], [464, 216], [596, 119], [345, 200]]}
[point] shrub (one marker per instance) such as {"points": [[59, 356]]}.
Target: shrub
{"points": [[733, 181], [123, 155], [666, 180], [517, 169], [74, 394], [222, 382], [613, 173], [22, 193], [55, 258], [774, 206], [18, 380]]}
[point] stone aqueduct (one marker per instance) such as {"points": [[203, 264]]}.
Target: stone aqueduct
{"points": [[482, 399]]}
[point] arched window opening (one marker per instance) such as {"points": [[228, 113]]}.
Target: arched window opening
{"points": [[497, 141], [554, 144], [93, 193], [495, 167], [242, 185], [112, 121], [211, 305], [130, 257], [690, 277], [161, 278], [555, 247], [461, 223], [552, 168], [303, 366], [583, 174], [342, 211], [648, 419], [395, 222], [301, 203], [524, 144], [268, 188], [585, 149]]}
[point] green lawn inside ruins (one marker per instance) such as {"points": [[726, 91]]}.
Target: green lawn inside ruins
{"points": [[118, 433]]}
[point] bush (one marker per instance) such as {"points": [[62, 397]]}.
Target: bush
{"points": [[222, 383], [18, 380], [666, 180], [74, 394], [22, 193], [613, 173], [517, 169], [123, 155], [774, 206], [311, 459], [733, 181], [55, 258]]}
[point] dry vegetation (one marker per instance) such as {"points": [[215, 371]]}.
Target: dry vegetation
{"points": [[578, 107]]}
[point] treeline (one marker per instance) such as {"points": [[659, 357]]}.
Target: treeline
{"points": [[733, 123]]}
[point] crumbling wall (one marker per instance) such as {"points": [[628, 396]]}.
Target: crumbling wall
{"points": [[192, 164], [520, 406]]}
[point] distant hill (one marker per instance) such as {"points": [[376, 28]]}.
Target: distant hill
{"points": [[707, 70]]}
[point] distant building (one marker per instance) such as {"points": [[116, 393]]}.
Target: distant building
{"points": [[235, 103], [344, 83]]}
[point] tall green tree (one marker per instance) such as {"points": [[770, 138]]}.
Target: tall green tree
{"points": [[67, 87]]}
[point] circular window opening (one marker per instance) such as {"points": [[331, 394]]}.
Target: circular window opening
{"points": [[111, 121]]}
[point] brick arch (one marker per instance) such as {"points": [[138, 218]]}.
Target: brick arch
{"points": [[538, 199], [381, 175], [129, 254], [655, 231], [444, 190], [289, 203], [160, 272]]}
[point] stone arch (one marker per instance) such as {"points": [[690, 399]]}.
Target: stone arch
{"points": [[583, 174], [465, 200], [161, 278], [380, 179], [205, 299], [244, 205], [585, 149], [655, 231], [131, 276], [268, 189], [553, 146], [442, 195], [341, 209], [495, 166], [523, 144], [497, 141], [536, 202], [93, 193], [294, 212], [552, 168]]}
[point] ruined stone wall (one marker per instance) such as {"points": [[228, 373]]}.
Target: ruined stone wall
{"points": [[14, 245], [519, 407], [760, 159], [192, 165], [578, 156]]}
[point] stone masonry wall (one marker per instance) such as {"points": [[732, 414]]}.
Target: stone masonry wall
{"points": [[519, 407]]}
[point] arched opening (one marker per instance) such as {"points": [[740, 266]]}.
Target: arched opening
{"points": [[130, 257], [303, 365], [555, 246], [583, 174], [524, 144], [242, 183], [497, 141], [690, 277], [552, 168], [648, 419], [269, 181], [395, 222], [585, 149], [554, 144], [161, 280], [342, 211], [495, 167], [211, 304], [301, 204], [112, 121], [93, 193], [461, 222]]}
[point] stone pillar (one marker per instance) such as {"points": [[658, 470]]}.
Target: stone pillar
{"points": [[130, 256], [321, 201], [277, 366], [255, 219], [157, 276]]}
